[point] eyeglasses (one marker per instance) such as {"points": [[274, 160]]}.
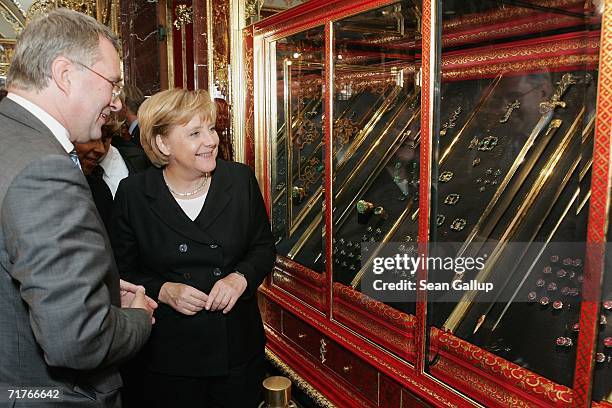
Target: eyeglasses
{"points": [[117, 85]]}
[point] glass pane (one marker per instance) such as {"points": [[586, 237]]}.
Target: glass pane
{"points": [[511, 185], [602, 377], [376, 134], [297, 161]]}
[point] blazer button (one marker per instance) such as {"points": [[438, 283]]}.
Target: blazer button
{"points": [[213, 246], [183, 248], [187, 275], [217, 272]]}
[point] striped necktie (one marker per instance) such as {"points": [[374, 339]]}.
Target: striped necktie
{"points": [[75, 159]]}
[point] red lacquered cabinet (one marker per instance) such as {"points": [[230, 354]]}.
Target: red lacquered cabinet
{"points": [[472, 132]]}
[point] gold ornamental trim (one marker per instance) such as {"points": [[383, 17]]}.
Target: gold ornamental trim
{"points": [[536, 51], [299, 382], [476, 382], [473, 20], [530, 26], [501, 368], [533, 65]]}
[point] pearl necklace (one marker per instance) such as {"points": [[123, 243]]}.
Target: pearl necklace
{"points": [[190, 193]]}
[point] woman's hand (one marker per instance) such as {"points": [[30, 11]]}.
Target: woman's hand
{"points": [[182, 298], [226, 292]]}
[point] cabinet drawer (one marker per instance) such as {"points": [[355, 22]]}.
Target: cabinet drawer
{"points": [[409, 400], [390, 393], [270, 312], [352, 369], [302, 335]]}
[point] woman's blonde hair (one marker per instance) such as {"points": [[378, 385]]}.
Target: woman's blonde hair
{"points": [[174, 107]]}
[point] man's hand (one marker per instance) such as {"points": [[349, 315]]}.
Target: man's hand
{"points": [[133, 296], [226, 292], [182, 298]]}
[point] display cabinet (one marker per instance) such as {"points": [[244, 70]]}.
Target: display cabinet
{"points": [[451, 130]]}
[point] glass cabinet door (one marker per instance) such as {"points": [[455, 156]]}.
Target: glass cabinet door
{"points": [[510, 191], [297, 146], [375, 155]]}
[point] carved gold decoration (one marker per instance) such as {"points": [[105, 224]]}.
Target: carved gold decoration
{"points": [[249, 129], [344, 130], [7, 49], [184, 16], [44, 6], [299, 382], [10, 18], [220, 35], [306, 133], [251, 9], [104, 11], [309, 175], [20, 8]]}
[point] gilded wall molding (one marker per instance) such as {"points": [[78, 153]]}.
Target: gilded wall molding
{"points": [[17, 22]]}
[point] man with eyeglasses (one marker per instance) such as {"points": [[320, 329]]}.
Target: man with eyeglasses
{"points": [[66, 319]]}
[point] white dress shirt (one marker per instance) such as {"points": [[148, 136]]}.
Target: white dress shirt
{"points": [[115, 169], [192, 207], [59, 131]]}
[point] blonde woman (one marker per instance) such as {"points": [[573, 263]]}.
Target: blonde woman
{"points": [[194, 232]]}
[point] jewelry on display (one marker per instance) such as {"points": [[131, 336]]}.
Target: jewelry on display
{"points": [[487, 143], [380, 211], [509, 108], [451, 122], [298, 194], [364, 207], [190, 193], [446, 176], [458, 224], [473, 143], [451, 199], [440, 218], [564, 342]]}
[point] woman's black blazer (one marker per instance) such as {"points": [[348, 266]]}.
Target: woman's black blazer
{"points": [[155, 242]]}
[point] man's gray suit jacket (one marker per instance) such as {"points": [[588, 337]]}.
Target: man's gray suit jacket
{"points": [[61, 324]]}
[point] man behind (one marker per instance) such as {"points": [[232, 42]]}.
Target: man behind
{"points": [[61, 321], [132, 99]]}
